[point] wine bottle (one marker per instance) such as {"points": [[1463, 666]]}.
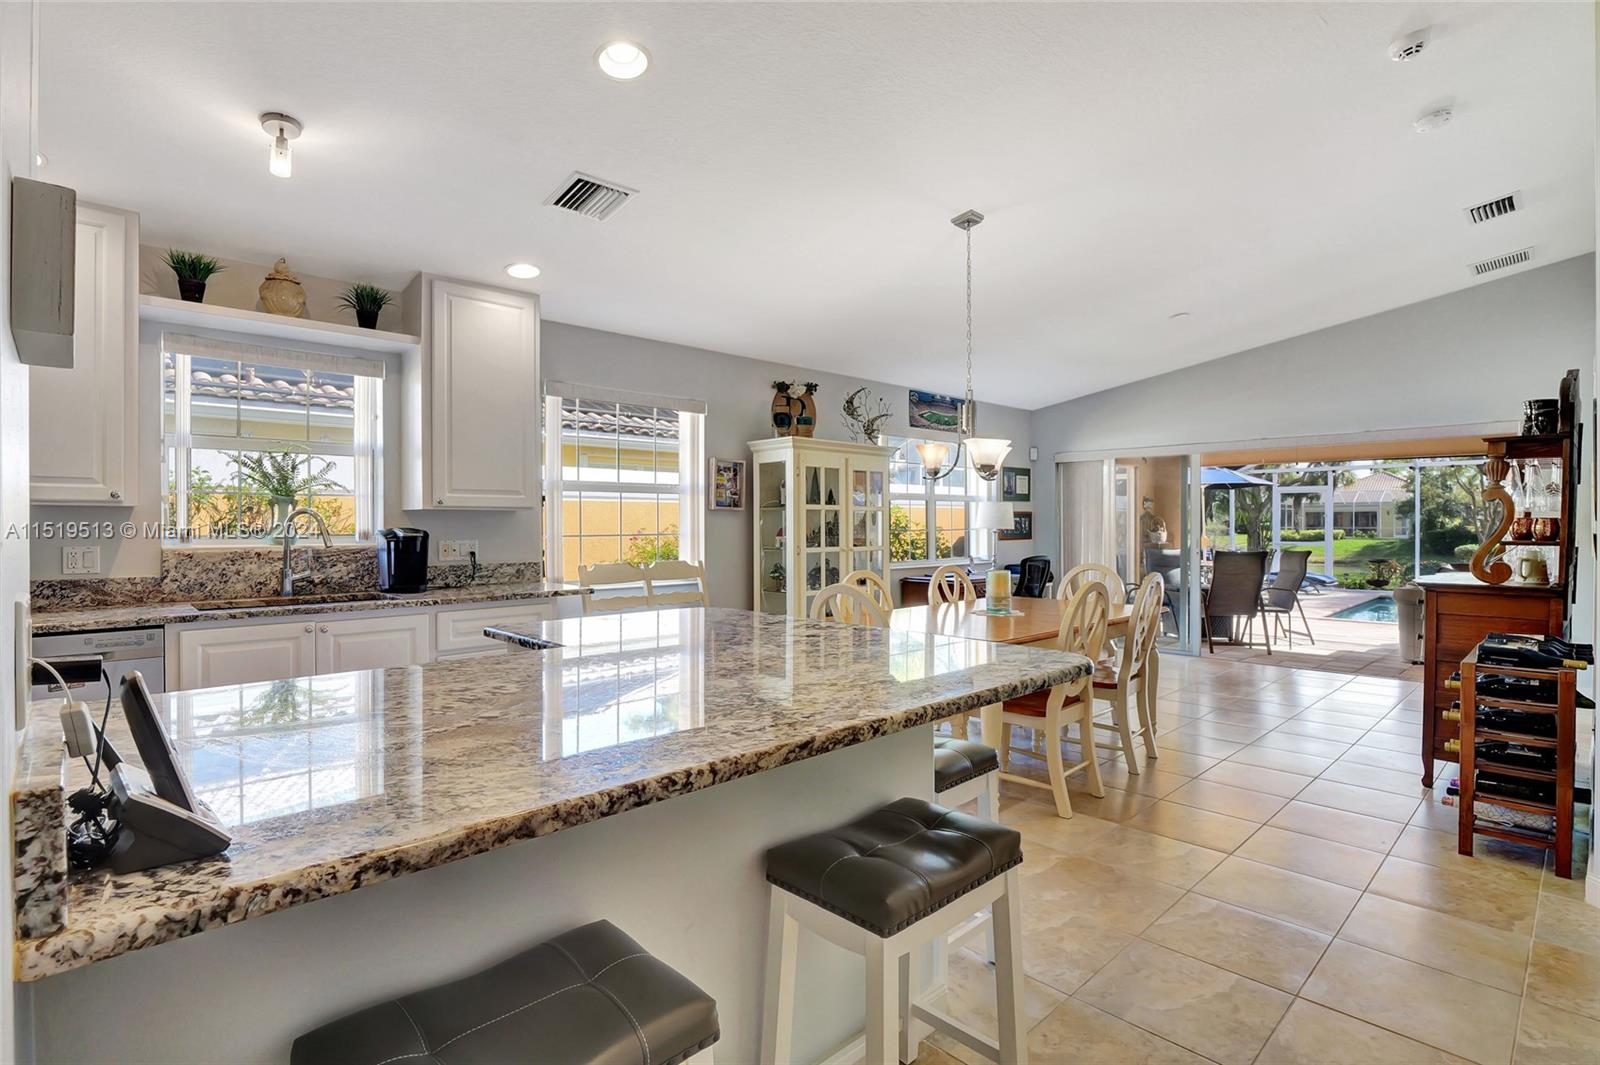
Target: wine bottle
{"points": [[1519, 721], [1518, 689], [1524, 652], [1491, 785], [1516, 754]]}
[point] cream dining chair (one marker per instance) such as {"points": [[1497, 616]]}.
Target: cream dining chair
{"points": [[950, 584], [613, 575], [676, 571], [1082, 574], [875, 586], [1128, 680], [1052, 712], [842, 602]]}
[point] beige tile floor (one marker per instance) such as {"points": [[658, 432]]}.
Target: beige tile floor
{"points": [[1278, 887]]}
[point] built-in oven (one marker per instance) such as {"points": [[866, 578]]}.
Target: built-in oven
{"points": [[124, 650]]}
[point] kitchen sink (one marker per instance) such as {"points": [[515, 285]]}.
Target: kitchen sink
{"points": [[289, 601]]}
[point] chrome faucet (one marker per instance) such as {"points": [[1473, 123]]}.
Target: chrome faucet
{"points": [[286, 588]]}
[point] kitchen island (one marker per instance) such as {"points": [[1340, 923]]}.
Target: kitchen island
{"points": [[448, 814]]}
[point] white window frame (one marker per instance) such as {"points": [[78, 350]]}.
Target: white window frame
{"points": [[178, 445], [931, 494], [690, 489]]}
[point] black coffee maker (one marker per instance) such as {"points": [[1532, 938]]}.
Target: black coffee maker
{"points": [[403, 560]]}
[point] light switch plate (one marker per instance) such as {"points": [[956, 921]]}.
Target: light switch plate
{"points": [[80, 560], [457, 550]]}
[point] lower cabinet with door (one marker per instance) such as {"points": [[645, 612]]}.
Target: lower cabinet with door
{"points": [[241, 654]]}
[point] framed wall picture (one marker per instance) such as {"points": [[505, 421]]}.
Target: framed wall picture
{"points": [[727, 484], [1016, 482], [1021, 527], [931, 410]]}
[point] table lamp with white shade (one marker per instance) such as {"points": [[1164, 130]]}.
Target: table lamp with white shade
{"points": [[993, 517]]}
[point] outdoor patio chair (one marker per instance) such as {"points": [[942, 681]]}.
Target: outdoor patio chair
{"points": [[1236, 578], [1282, 597]]}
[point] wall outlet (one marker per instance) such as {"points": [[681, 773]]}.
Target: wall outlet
{"points": [[77, 560], [457, 550]]}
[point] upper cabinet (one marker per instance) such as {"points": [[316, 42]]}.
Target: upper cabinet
{"points": [[84, 422], [471, 398]]}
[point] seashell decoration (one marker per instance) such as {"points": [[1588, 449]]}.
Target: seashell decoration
{"points": [[281, 292]]}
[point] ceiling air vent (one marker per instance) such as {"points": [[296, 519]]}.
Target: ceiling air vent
{"points": [[590, 197], [1500, 262], [1492, 209]]}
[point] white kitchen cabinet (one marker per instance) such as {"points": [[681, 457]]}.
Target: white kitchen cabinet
{"points": [[241, 654], [373, 642], [84, 424], [470, 421], [459, 633]]}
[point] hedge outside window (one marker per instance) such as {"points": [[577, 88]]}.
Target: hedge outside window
{"points": [[917, 505]]}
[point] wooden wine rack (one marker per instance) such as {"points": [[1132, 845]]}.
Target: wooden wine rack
{"points": [[1563, 743]]}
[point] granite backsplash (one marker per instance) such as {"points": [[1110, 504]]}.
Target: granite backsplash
{"points": [[234, 573]]}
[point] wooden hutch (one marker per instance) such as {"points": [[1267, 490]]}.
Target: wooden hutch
{"points": [[1462, 608]]}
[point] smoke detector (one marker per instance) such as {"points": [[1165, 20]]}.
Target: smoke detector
{"points": [[591, 197], [1434, 120], [1405, 49], [1501, 262]]}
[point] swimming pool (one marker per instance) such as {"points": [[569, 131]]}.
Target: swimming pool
{"points": [[1379, 609]]}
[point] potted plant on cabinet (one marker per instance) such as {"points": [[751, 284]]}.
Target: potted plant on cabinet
{"points": [[368, 301], [192, 269], [283, 477]]}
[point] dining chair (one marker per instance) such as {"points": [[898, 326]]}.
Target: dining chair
{"points": [[950, 584], [1128, 681], [1052, 712], [675, 571], [1282, 596], [874, 585], [1235, 592], [1083, 573], [613, 575], [842, 602]]}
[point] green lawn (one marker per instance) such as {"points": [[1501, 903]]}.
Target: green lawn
{"points": [[1352, 555]]}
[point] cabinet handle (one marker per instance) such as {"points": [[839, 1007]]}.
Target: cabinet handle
{"points": [[438, 502], [308, 628], [324, 628], [116, 495]]}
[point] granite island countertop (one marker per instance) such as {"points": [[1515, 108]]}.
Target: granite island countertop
{"points": [[334, 782], [96, 618]]}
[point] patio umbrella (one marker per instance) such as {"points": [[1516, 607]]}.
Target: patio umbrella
{"points": [[1230, 481]]}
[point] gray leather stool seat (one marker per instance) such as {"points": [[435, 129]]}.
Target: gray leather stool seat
{"points": [[895, 866], [588, 995], [957, 761]]}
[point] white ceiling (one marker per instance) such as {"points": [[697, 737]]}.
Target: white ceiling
{"points": [[1253, 164]]}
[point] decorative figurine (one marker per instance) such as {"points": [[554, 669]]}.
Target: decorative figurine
{"points": [[281, 292]]}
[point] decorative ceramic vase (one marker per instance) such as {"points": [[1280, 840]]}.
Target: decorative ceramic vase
{"points": [[806, 423], [281, 292], [191, 291], [783, 410]]}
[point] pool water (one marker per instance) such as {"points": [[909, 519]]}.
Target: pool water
{"points": [[1379, 609]]}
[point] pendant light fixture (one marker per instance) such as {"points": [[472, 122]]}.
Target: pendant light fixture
{"points": [[282, 129], [987, 453]]}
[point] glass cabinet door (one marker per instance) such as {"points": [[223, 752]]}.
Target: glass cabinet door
{"points": [[822, 515], [772, 537], [867, 499]]}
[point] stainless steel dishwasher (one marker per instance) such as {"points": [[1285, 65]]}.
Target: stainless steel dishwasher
{"points": [[124, 650]]}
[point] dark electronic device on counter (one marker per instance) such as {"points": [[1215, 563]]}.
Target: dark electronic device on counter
{"points": [[403, 560], [161, 819]]}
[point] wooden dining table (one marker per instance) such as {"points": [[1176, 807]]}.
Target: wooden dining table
{"points": [[1033, 621]]}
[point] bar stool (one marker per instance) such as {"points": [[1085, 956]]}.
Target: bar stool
{"points": [[589, 995], [883, 886], [963, 772]]}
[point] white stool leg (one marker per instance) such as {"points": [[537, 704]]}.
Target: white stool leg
{"points": [[908, 1049], [777, 1014], [989, 810], [883, 1002], [1008, 973]]}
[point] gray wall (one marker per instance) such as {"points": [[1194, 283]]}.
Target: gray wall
{"points": [[737, 391], [1467, 358]]}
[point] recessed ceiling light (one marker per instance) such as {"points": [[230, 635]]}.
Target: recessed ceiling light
{"points": [[523, 271], [622, 60], [1433, 120], [39, 159]]}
